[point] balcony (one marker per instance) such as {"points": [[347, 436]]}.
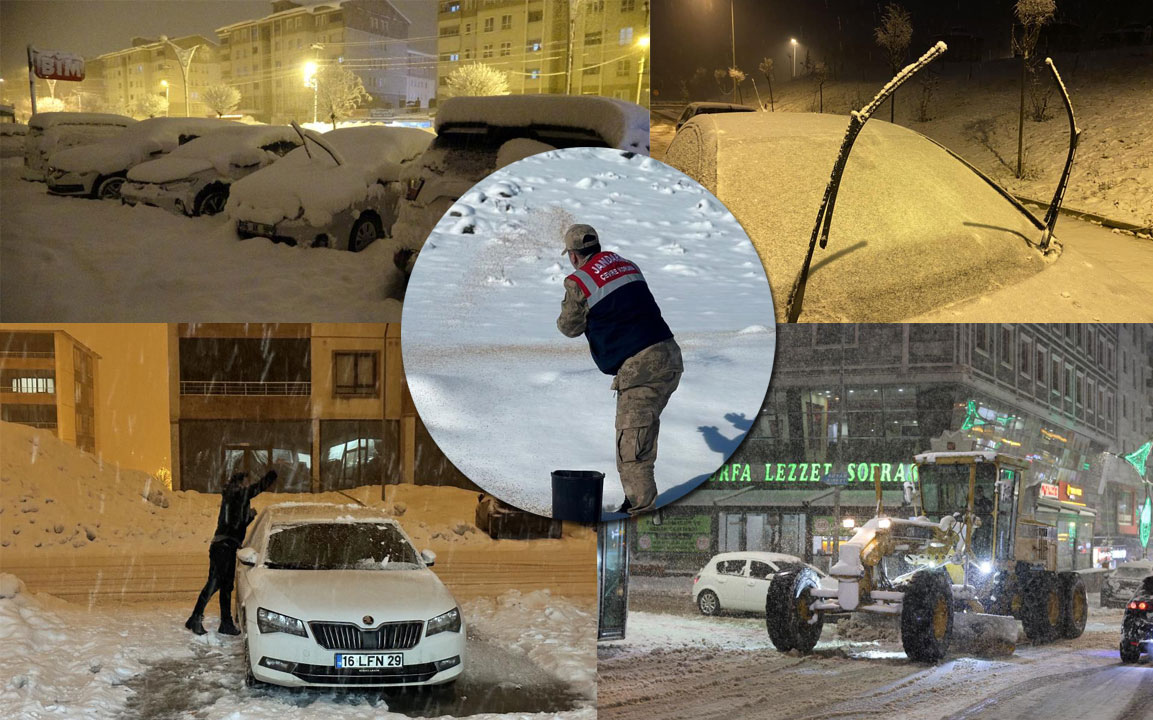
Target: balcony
{"points": [[256, 389]]}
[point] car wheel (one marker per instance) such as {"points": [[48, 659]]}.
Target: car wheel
{"points": [[211, 201], [249, 679], [109, 188], [708, 603], [365, 230]]}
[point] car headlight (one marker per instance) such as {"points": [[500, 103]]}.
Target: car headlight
{"points": [[448, 622], [271, 622]]}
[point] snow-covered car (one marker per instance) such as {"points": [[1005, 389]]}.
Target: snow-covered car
{"points": [[98, 170], [194, 179], [706, 108], [332, 595], [739, 581], [501, 520], [477, 135], [1124, 582], [338, 190], [12, 137], [52, 131], [918, 233]]}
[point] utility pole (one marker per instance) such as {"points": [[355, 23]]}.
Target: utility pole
{"points": [[184, 58], [733, 30]]}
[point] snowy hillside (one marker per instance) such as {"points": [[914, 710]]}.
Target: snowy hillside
{"points": [[507, 397]]}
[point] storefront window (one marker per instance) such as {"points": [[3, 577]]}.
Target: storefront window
{"points": [[351, 453]]}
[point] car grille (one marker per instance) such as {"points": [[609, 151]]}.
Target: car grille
{"points": [[346, 636]]}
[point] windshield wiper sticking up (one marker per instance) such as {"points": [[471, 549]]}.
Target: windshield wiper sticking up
{"points": [[857, 120], [315, 137], [1074, 137]]}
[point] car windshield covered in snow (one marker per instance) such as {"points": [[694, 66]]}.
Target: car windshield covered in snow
{"points": [[1134, 571], [341, 546]]}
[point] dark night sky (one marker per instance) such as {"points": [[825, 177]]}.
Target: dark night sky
{"points": [[691, 33], [92, 27]]}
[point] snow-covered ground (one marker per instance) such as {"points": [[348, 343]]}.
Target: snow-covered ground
{"points": [[528, 653], [689, 665], [499, 387], [81, 260]]}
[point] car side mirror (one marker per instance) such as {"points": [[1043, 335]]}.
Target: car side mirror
{"points": [[429, 557], [247, 556]]}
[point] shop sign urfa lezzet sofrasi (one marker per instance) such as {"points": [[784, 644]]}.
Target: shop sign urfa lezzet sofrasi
{"points": [[858, 472]]}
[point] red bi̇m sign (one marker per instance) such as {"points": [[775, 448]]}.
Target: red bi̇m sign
{"points": [[56, 65]]}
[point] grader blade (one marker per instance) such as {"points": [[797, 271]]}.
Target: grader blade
{"points": [[983, 634]]}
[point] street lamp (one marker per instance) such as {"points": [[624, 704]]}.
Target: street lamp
{"points": [[643, 44], [311, 81], [164, 84], [184, 57], [793, 41]]}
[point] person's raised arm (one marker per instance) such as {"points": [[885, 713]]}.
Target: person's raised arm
{"points": [[261, 485], [574, 310]]}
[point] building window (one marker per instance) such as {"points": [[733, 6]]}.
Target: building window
{"points": [[1007, 346], [1055, 376], [534, 46], [355, 374], [1041, 367], [505, 49], [1125, 508], [594, 70], [624, 68], [593, 38], [535, 15], [33, 385], [1025, 356], [450, 30], [626, 36], [486, 51], [534, 74], [506, 22], [981, 338], [353, 453], [628, 5], [489, 24]]}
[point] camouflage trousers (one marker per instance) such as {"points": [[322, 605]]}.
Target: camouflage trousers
{"points": [[644, 384]]}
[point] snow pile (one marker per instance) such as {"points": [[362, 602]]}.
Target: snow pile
{"points": [[137, 142], [315, 188], [223, 150], [495, 381], [9, 129], [553, 632], [867, 627], [619, 123], [648, 632]]}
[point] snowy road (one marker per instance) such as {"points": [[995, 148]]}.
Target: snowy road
{"points": [[691, 666]]}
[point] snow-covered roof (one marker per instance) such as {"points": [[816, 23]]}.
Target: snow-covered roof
{"points": [[317, 7], [316, 184], [722, 106], [619, 123], [50, 119], [132, 146], [772, 557], [298, 511], [980, 455], [232, 146]]}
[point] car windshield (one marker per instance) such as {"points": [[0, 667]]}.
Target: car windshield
{"points": [[786, 566], [340, 546]]}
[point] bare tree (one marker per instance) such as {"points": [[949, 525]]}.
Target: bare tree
{"points": [[477, 79], [220, 98], [766, 68], [821, 73], [893, 35], [929, 83], [339, 92], [1032, 16]]}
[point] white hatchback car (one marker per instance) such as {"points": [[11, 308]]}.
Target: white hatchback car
{"points": [[739, 581], [336, 595]]}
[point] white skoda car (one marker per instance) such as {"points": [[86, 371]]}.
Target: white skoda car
{"points": [[336, 595]]}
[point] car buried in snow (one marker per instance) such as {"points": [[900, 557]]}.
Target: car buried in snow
{"points": [[52, 131], [194, 179], [501, 520], [1124, 582], [708, 108], [739, 581], [337, 190], [478, 135], [337, 595], [98, 170]]}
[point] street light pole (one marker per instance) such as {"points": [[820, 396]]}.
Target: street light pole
{"points": [[310, 80], [184, 58], [164, 84], [643, 43], [733, 30], [793, 41]]}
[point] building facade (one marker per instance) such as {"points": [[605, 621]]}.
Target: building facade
{"points": [[151, 67], [48, 380], [590, 47], [266, 58], [323, 404], [867, 398]]}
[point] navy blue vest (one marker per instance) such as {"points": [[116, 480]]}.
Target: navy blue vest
{"points": [[623, 317]]}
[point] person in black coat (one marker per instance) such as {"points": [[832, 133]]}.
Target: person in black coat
{"points": [[231, 524]]}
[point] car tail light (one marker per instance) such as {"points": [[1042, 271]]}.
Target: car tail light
{"points": [[1132, 606], [1142, 606], [413, 189]]}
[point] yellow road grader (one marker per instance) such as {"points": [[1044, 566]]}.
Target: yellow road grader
{"points": [[983, 563]]}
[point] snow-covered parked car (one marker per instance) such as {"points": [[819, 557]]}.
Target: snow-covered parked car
{"points": [[338, 190], [477, 135], [334, 595], [739, 581], [706, 108], [1124, 582], [194, 178], [98, 170], [52, 131], [12, 137]]}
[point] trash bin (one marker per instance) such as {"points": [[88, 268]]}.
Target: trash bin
{"points": [[576, 495]]}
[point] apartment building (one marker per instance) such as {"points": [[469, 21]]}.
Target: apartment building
{"points": [[610, 49], [151, 67], [48, 380], [266, 58]]}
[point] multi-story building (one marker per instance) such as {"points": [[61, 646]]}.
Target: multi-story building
{"points": [[591, 47], [869, 397], [151, 67], [266, 58], [324, 404], [48, 381]]}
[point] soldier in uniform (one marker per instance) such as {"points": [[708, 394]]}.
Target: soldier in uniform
{"points": [[608, 301]]}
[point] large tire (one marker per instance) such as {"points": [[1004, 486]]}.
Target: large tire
{"points": [[792, 625], [927, 616], [1041, 606], [708, 603], [1130, 653], [365, 231], [1074, 604]]}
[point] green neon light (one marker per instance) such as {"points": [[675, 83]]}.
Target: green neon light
{"points": [[1146, 521], [859, 472], [1138, 457], [971, 417]]}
